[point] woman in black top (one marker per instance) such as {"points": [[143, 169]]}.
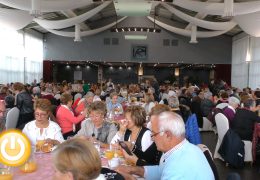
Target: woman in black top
{"points": [[138, 138]]}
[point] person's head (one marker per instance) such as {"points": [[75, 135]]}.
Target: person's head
{"points": [[135, 116], [257, 94], [250, 104], [97, 112], [42, 110], [9, 101], [97, 92], [2, 108], [4, 90], [208, 95], [114, 97], [18, 87], [89, 97], [36, 90], [168, 130], [149, 97], [224, 95], [233, 101], [173, 102], [66, 99], [76, 159]]}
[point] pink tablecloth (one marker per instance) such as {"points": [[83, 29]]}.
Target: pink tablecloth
{"points": [[44, 170]]}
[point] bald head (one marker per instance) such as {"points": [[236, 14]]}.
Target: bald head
{"points": [[2, 108]]}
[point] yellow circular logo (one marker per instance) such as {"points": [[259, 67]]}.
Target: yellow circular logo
{"points": [[15, 148]]}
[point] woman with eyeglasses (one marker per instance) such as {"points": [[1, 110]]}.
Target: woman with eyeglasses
{"points": [[96, 128], [42, 127], [137, 138]]}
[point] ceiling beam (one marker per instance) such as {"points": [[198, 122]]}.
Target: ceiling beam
{"points": [[70, 14]]}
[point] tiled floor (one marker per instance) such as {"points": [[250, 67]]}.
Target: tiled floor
{"points": [[246, 173]]}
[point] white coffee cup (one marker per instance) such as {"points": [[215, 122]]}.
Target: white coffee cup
{"points": [[113, 163]]}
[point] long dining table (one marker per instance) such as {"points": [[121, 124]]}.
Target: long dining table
{"points": [[45, 169]]}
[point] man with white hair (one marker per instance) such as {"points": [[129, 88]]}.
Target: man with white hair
{"points": [[181, 159], [230, 110]]}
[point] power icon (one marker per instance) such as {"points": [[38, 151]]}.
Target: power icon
{"points": [[15, 148]]}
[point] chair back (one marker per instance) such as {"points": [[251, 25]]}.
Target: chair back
{"points": [[222, 125], [12, 118]]}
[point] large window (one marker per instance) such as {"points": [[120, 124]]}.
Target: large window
{"points": [[246, 48], [21, 56]]}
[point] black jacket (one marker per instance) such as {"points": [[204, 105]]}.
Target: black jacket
{"points": [[243, 123], [24, 103]]}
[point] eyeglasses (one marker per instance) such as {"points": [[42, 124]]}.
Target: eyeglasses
{"points": [[40, 114], [155, 134]]}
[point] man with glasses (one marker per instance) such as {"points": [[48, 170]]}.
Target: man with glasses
{"points": [[181, 159]]}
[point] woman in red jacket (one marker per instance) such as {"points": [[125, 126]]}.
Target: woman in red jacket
{"points": [[66, 118]]}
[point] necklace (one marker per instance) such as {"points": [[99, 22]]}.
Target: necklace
{"points": [[134, 141]]}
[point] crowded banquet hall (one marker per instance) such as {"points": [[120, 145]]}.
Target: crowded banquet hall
{"points": [[129, 89]]}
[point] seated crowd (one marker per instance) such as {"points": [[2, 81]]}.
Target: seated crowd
{"points": [[151, 122]]}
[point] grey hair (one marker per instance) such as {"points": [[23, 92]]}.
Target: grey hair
{"points": [[207, 95], [170, 121], [173, 102], [89, 94], [233, 100]]}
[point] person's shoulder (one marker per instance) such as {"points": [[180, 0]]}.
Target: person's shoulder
{"points": [[29, 126], [54, 124], [86, 122]]}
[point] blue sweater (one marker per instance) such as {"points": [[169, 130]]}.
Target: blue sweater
{"points": [[186, 163]]}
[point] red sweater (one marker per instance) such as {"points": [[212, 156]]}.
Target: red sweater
{"points": [[66, 119]]}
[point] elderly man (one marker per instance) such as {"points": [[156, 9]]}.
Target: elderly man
{"points": [[181, 159], [2, 114], [230, 110]]}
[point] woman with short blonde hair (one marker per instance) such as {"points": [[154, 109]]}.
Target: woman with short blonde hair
{"points": [[76, 159]]}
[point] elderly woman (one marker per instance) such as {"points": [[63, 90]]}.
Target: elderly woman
{"points": [[65, 116], [96, 128], [42, 128], [77, 159], [84, 103], [137, 137], [113, 104]]}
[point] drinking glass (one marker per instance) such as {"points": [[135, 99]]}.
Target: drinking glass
{"points": [[97, 145], [30, 166]]}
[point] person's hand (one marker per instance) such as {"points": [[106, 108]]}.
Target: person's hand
{"points": [[123, 126], [85, 112], [127, 176], [52, 142], [124, 169], [131, 159], [115, 146], [129, 144]]}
